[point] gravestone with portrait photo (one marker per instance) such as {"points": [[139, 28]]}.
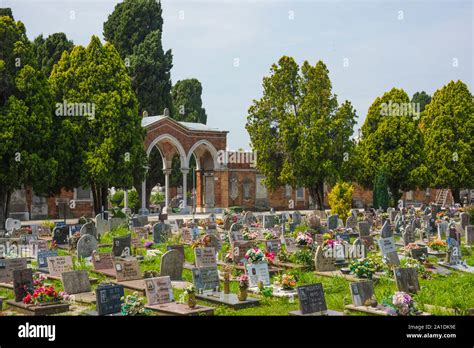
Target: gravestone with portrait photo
{"points": [[42, 259], [161, 232], [387, 245], [273, 246], [103, 263], [258, 272], [109, 298], [121, 246], [407, 280], [205, 278], [126, 270], [311, 298], [61, 235], [158, 290], [362, 292], [205, 257]]}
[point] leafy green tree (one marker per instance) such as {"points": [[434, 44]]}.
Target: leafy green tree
{"points": [[107, 142], [300, 134], [448, 129], [117, 198], [392, 143], [25, 117], [187, 102], [340, 199], [381, 197], [135, 29], [48, 51], [421, 98]]}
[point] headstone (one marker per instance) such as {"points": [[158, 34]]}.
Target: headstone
{"points": [[7, 266], [59, 264], [361, 292], [76, 282], [333, 221], [205, 278], [214, 242], [290, 244], [470, 234], [121, 246], [322, 263], [102, 261], [127, 270], [351, 223], [364, 228], [407, 280], [172, 265], [158, 290], [102, 224], [343, 237], [61, 235], [178, 247], [358, 249], [161, 232], [408, 235], [269, 221], [311, 298], [37, 246], [454, 252], [258, 273], [89, 228], [205, 257], [235, 236], [392, 213], [419, 253], [389, 251], [249, 218], [313, 221], [12, 224], [239, 249], [273, 246], [464, 219], [22, 281], [42, 257], [228, 221], [44, 231], [108, 298], [296, 217], [86, 245]]}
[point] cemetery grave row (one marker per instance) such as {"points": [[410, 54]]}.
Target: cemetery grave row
{"points": [[185, 267]]}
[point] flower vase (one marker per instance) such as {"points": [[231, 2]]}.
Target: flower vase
{"points": [[226, 286], [242, 294], [192, 300]]}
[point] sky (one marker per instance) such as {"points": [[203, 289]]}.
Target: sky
{"points": [[368, 46]]}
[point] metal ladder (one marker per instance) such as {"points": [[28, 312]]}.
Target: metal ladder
{"points": [[442, 197]]}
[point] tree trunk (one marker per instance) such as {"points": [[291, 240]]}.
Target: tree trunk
{"points": [[317, 194], [96, 198], [396, 195], [104, 194], [3, 209], [456, 195]]}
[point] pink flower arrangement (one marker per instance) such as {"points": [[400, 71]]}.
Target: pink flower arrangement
{"points": [[243, 281], [255, 255], [304, 239], [38, 279]]}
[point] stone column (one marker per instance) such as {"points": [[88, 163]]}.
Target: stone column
{"points": [[167, 173], [125, 199], [185, 172], [143, 194]]}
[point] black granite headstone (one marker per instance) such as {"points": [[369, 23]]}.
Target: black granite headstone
{"points": [[311, 298], [108, 298]]}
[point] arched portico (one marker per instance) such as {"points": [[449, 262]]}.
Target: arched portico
{"points": [[184, 139]]}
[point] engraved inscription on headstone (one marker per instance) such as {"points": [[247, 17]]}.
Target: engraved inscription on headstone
{"points": [[311, 298]]}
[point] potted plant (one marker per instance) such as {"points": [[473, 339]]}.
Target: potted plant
{"points": [[363, 268], [243, 287], [191, 293]]}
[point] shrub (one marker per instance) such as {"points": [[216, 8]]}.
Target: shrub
{"points": [[117, 198], [340, 200]]}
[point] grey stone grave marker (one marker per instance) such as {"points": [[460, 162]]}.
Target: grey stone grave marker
{"points": [[172, 265], [86, 245], [407, 280]]}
